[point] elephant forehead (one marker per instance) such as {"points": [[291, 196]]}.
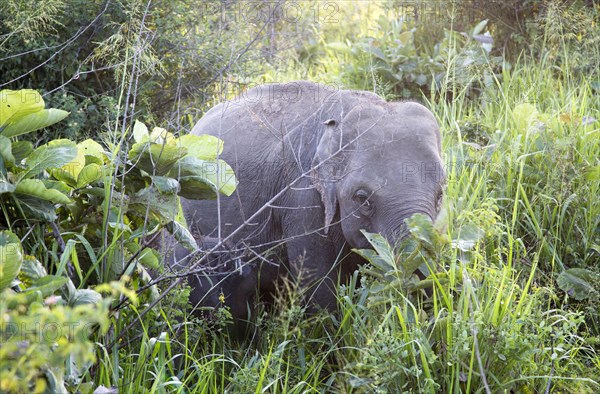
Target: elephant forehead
{"points": [[396, 128], [392, 161], [396, 167], [404, 178], [389, 145]]}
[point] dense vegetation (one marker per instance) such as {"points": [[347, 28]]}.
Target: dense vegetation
{"points": [[514, 303]]}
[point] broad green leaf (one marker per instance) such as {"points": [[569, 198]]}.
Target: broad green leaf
{"points": [[79, 172], [36, 188], [34, 208], [20, 150], [34, 121], [428, 283], [57, 185], [6, 150], [90, 147], [11, 257], [180, 217], [47, 285], [405, 37], [182, 235], [76, 208], [54, 154], [140, 132], [64, 176], [150, 258], [381, 246], [93, 160], [421, 79], [594, 249], [577, 282], [31, 270], [85, 297], [95, 191], [15, 104], [200, 179], [155, 159], [90, 173], [74, 167], [206, 147], [161, 136], [162, 206], [165, 184], [376, 260], [411, 263], [422, 228], [375, 51], [479, 28]]}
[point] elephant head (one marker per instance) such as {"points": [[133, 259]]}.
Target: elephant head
{"points": [[376, 167]]}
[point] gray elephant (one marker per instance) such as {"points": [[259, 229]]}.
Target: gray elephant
{"points": [[221, 268], [316, 165]]}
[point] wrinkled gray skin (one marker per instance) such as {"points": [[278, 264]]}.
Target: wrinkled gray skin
{"points": [[353, 162]]}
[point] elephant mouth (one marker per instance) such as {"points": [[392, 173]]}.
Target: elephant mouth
{"points": [[400, 234]]}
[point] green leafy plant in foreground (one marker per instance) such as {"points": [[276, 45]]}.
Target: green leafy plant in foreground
{"points": [[76, 215]]}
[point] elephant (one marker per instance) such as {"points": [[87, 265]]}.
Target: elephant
{"points": [[315, 165], [221, 268]]}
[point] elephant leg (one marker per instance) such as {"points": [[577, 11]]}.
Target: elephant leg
{"points": [[234, 290]]}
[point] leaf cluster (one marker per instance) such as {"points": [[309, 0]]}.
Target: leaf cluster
{"points": [[89, 210]]}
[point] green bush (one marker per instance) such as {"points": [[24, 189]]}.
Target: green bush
{"points": [[85, 213]]}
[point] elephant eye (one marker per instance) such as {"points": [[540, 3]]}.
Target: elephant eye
{"points": [[362, 198]]}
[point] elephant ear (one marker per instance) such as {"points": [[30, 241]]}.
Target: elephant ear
{"points": [[330, 161], [325, 166]]}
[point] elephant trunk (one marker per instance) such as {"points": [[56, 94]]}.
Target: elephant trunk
{"points": [[395, 228]]}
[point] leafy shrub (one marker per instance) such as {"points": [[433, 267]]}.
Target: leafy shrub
{"points": [[46, 338], [403, 61], [98, 205]]}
